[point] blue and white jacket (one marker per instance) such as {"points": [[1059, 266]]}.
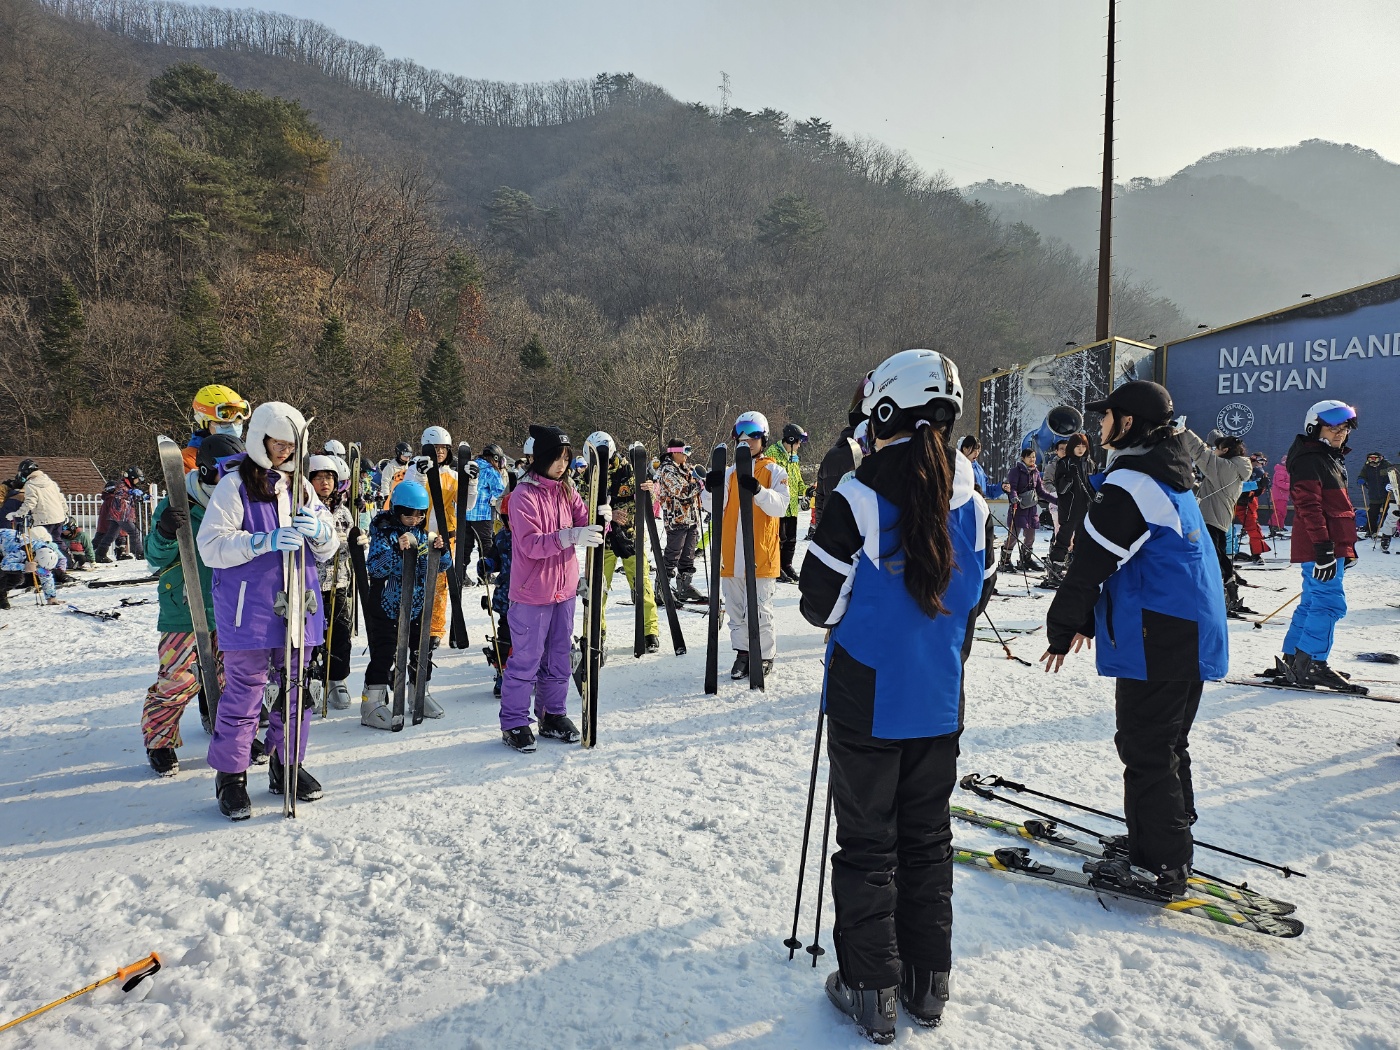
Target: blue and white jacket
{"points": [[1145, 581], [490, 487], [893, 672]]}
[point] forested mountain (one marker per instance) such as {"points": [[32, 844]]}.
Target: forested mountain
{"points": [[1238, 233], [383, 245]]}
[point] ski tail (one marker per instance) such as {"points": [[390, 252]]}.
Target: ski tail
{"points": [[594, 630], [664, 581], [637, 457], [743, 467], [405, 630], [719, 460]]}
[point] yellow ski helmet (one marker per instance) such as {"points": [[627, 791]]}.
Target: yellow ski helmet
{"points": [[216, 403]]}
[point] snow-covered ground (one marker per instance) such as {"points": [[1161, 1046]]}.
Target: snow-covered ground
{"points": [[448, 892]]}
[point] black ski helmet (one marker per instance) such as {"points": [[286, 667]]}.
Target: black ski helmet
{"points": [[793, 434], [212, 451], [135, 475], [403, 448], [26, 467]]}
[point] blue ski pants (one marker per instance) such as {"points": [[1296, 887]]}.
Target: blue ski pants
{"points": [[1315, 620]]}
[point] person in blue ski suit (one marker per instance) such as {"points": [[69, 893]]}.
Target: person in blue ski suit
{"points": [[498, 564], [16, 568], [901, 565], [490, 487], [1145, 584]]}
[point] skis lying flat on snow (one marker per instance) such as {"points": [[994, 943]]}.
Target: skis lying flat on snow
{"points": [[132, 582], [1048, 833], [1018, 861], [99, 614], [1321, 690]]}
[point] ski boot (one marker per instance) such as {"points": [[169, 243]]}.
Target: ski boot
{"points": [[685, 589], [163, 760], [231, 789], [1173, 881], [559, 727], [519, 738], [787, 574], [308, 787], [1029, 562], [375, 711], [923, 994], [1385, 544], [767, 669], [871, 1009], [431, 708], [1320, 674], [741, 665], [340, 696], [653, 644], [496, 689], [257, 753], [1005, 564], [204, 719], [1118, 873]]}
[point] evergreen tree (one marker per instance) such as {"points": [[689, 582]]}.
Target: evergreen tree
{"points": [[196, 353], [443, 390], [396, 386], [791, 222], [533, 356], [61, 348], [335, 369]]}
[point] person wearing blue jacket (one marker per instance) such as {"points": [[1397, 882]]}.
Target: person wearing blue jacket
{"points": [[1146, 584], [901, 565], [972, 448], [490, 487]]}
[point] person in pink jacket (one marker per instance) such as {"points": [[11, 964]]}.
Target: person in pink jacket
{"points": [[1279, 518], [548, 520]]}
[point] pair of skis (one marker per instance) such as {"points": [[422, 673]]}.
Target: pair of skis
{"points": [[591, 643], [646, 522], [425, 623], [743, 467]]}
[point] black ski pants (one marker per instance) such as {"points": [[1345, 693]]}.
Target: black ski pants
{"points": [[1071, 516], [114, 532], [892, 877], [787, 541], [479, 535], [339, 628], [680, 547], [382, 634], [1221, 539], [1154, 722]]}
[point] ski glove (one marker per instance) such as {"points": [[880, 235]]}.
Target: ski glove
{"points": [[749, 484], [285, 540], [605, 512], [473, 469], [1324, 562], [310, 526], [169, 522], [714, 480], [587, 535]]}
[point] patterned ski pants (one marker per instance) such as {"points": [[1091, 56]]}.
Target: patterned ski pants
{"points": [[176, 684]]}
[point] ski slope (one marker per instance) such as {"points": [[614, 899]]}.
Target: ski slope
{"points": [[448, 892]]}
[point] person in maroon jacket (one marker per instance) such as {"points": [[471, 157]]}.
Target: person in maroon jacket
{"points": [[1323, 543]]}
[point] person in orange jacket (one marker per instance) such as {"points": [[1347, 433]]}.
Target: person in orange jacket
{"points": [[769, 486], [217, 409]]}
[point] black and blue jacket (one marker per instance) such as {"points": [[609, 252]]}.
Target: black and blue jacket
{"points": [[893, 672], [1145, 581]]}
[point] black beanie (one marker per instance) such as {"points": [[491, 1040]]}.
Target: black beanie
{"points": [[549, 442]]}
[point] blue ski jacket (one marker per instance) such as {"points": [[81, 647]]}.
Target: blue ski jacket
{"points": [[384, 562]]}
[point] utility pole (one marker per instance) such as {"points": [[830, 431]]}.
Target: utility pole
{"points": [[724, 93], [1101, 320]]}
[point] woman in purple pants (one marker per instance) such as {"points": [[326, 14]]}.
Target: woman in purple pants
{"points": [[248, 526], [547, 521]]}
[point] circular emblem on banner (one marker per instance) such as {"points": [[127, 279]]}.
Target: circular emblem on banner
{"points": [[1235, 419]]}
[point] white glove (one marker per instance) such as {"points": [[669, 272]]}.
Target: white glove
{"points": [[585, 535], [605, 512], [278, 539], [12, 515], [310, 526]]}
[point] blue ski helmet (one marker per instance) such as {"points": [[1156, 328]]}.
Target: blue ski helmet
{"points": [[409, 495]]}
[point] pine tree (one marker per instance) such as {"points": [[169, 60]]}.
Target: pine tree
{"points": [[396, 385], [335, 369], [61, 348], [196, 354], [443, 390], [533, 356]]}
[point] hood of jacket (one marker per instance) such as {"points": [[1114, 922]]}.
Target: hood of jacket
{"points": [[1167, 461]]}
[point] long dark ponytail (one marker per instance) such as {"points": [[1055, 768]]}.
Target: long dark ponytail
{"points": [[923, 523]]}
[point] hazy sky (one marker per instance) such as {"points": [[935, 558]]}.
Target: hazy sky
{"points": [[1001, 89]]}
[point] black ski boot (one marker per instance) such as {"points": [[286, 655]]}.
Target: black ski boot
{"points": [[559, 727], [496, 689], [1320, 674], [871, 1009], [787, 574], [1173, 882], [653, 643], [163, 760], [1385, 544], [1005, 564], [519, 738], [685, 589], [308, 787], [1300, 669], [231, 789], [204, 719], [923, 994], [1117, 873], [1029, 562], [257, 753], [741, 665]]}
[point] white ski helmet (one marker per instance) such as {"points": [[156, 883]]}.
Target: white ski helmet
{"points": [[46, 557], [279, 421], [907, 382], [437, 436], [1333, 413], [334, 464], [751, 424], [333, 448], [528, 449], [603, 442]]}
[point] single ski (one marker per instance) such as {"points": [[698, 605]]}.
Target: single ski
{"points": [[637, 456], [131, 603], [135, 581], [97, 614], [172, 466], [593, 629], [406, 578], [743, 468], [458, 578], [352, 538], [718, 460], [1104, 878], [425, 632], [293, 607], [1048, 833], [1318, 690], [457, 633], [664, 581]]}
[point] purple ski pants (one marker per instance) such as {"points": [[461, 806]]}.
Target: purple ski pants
{"points": [[245, 676], [540, 637]]}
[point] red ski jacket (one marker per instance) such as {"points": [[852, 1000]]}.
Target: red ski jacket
{"points": [[1322, 509]]}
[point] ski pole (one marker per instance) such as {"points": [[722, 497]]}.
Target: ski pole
{"points": [[130, 976], [1260, 623], [815, 949], [792, 943], [975, 781], [1005, 648]]}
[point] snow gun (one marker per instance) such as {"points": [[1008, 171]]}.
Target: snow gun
{"points": [[1060, 422]]}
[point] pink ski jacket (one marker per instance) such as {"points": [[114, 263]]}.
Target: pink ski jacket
{"points": [[542, 571]]}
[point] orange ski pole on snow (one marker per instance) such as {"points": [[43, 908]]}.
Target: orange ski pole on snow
{"points": [[130, 976]]}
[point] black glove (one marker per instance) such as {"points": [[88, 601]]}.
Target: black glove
{"points": [[714, 480], [1324, 562], [811, 532], [169, 522], [473, 469], [749, 484]]}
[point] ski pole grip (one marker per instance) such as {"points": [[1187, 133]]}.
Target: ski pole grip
{"points": [[132, 975]]}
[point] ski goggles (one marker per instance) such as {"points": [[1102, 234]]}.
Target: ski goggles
{"points": [[228, 411], [679, 448], [1341, 415], [747, 429]]}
